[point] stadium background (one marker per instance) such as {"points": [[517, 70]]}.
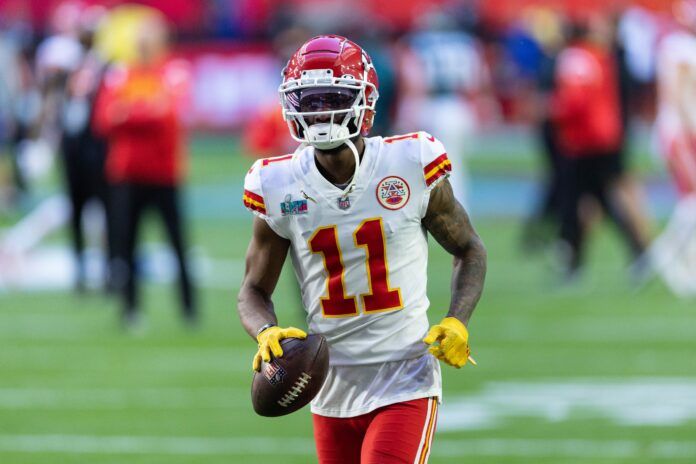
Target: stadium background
{"points": [[599, 371]]}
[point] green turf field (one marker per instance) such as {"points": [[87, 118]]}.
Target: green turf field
{"points": [[594, 373]]}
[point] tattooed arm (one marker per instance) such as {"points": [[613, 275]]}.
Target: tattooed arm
{"points": [[448, 222]]}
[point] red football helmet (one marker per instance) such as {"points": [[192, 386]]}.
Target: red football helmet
{"points": [[329, 92]]}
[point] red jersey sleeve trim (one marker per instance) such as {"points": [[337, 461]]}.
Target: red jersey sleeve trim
{"points": [[439, 167], [254, 202]]}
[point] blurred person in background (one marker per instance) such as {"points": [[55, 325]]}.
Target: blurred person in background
{"points": [[137, 110], [83, 150], [674, 253], [676, 119], [57, 57], [443, 79], [378, 40], [20, 107], [265, 135], [587, 115], [631, 90], [541, 228], [637, 32]]}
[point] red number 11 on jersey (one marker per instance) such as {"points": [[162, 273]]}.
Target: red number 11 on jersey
{"points": [[369, 235]]}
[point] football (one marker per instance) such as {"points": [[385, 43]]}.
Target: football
{"points": [[286, 384]]}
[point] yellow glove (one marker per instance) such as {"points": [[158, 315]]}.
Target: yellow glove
{"points": [[453, 342], [269, 342]]}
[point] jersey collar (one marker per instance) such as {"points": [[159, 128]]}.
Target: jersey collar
{"points": [[307, 173]]}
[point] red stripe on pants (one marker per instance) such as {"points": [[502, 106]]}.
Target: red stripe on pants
{"points": [[388, 435]]}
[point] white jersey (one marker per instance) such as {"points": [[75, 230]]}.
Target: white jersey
{"points": [[351, 391], [677, 52], [361, 263], [360, 260]]}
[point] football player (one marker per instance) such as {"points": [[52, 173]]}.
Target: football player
{"points": [[673, 254], [354, 214]]}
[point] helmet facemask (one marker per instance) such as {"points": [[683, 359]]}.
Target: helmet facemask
{"points": [[326, 111]]}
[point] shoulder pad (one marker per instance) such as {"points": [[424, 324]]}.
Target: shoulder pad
{"points": [[428, 152], [253, 191], [264, 178], [436, 164]]}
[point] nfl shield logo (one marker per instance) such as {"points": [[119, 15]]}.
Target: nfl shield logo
{"points": [[274, 373], [344, 202]]}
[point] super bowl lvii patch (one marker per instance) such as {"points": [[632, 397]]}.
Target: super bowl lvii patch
{"points": [[293, 207]]}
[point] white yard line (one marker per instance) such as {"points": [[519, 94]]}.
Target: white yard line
{"points": [[90, 444], [37, 268], [566, 448], [298, 446], [632, 402], [96, 351], [125, 398], [156, 359]]}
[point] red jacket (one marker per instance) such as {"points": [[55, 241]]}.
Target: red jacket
{"points": [[267, 134], [585, 105], [137, 111]]}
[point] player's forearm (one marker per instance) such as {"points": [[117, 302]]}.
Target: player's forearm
{"points": [[449, 224], [255, 309], [468, 275]]}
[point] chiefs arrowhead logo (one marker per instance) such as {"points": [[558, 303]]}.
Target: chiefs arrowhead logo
{"points": [[393, 192]]}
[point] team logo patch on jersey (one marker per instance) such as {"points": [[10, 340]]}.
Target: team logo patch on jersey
{"points": [[293, 207], [393, 192], [274, 373]]}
